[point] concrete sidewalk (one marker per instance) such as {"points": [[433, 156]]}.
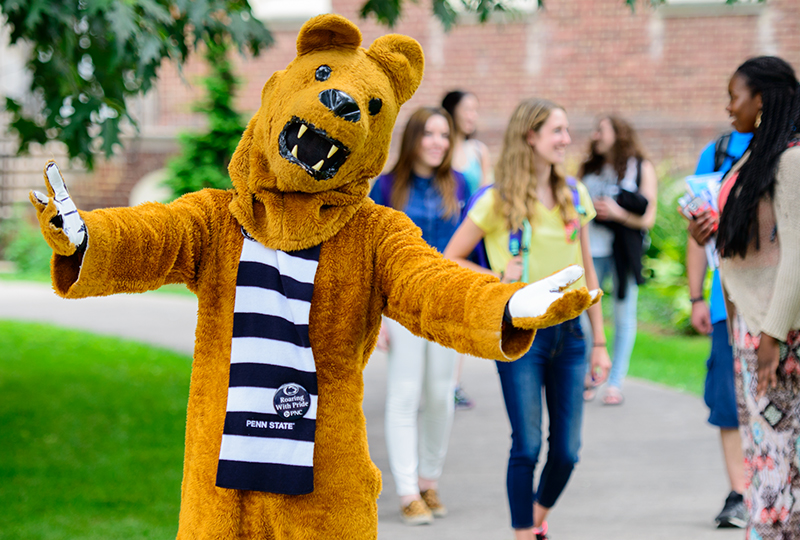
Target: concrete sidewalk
{"points": [[650, 469]]}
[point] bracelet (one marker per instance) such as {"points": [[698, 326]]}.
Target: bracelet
{"points": [[696, 299], [502, 276], [599, 344]]}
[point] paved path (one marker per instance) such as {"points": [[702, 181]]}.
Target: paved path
{"points": [[650, 470]]}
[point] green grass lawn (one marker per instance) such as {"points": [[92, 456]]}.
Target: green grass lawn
{"points": [[674, 360], [92, 438]]}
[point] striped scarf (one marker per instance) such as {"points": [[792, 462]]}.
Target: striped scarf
{"points": [[268, 438]]}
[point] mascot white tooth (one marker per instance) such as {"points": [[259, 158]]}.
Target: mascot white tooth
{"points": [[293, 268]]}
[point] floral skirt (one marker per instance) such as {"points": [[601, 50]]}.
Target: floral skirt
{"points": [[770, 429]]}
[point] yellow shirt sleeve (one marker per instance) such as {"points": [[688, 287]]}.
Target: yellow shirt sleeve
{"points": [[495, 237], [483, 215]]}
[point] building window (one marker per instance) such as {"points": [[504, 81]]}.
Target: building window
{"points": [[710, 8], [295, 11]]}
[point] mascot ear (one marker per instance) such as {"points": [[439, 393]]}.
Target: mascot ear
{"points": [[402, 59], [327, 32]]}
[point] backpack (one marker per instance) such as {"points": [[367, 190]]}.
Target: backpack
{"points": [[478, 255], [721, 151]]}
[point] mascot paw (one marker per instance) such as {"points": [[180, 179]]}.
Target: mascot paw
{"points": [[61, 225], [543, 303]]}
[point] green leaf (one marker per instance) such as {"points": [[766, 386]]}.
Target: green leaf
{"points": [[152, 10], [109, 132], [445, 13], [122, 21], [149, 49], [34, 13], [385, 11]]}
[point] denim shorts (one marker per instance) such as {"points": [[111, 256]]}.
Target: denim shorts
{"points": [[720, 391]]}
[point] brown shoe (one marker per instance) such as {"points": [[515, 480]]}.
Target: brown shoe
{"points": [[431, 498], [416, 513]]}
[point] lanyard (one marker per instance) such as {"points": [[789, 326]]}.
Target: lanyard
{"points": [[514, 247], [527, 233]]}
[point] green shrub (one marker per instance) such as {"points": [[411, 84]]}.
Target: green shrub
{"points": [[664, 300], [24, 245], [204, 158]]}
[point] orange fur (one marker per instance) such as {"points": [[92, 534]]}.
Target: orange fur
{"points": [[373, 261]]}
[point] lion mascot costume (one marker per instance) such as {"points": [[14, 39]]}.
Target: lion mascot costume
{"points": [[293, 268]]}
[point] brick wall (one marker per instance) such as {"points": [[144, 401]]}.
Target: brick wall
{"points": [[664, 69]]}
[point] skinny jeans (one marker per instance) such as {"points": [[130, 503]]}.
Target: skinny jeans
{"points": [[555, 363], [417, 440]]}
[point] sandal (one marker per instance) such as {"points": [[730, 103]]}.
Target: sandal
{"points": [[613, 396]]}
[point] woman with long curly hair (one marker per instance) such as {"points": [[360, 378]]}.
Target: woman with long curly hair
{"points": [[623, 186], [759, 245], [533, 223], [424, 186]]}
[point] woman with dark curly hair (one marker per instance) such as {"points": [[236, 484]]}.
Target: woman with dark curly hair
{"points": [[624, 188], [759, 245]]}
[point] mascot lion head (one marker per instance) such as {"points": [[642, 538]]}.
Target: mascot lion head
{"points": [[323, 130]]}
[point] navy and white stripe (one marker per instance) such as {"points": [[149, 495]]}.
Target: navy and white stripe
{"points": [[262, 451]]}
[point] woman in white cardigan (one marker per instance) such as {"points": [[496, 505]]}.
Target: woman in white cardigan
{"points": [[759, 245]]}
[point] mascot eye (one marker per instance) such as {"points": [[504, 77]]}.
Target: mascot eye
{"points": [[323, 73], [375, 105]]}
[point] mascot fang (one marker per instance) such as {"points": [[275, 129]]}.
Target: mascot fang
{"points": [[293, 268]]}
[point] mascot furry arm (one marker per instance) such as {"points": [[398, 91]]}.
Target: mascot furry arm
{"points": [[296, 245]]}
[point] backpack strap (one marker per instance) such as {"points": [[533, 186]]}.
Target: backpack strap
{"points": [[461, 186], [478, 254], [638, 172], [385, 187], [721, 150], [576, 196], [474, 198]]}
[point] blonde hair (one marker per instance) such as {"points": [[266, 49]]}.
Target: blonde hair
{"points": [[515, 179]]}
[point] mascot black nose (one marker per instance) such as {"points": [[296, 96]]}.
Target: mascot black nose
{"points": [[341, 104]]}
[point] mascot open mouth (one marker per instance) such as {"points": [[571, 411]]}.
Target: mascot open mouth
{"points": [[311, 148]]}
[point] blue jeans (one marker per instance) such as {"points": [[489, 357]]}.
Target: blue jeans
{"points": [[624, 320], [554, 363]]}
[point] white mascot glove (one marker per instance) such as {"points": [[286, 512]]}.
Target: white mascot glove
{"points": [[546, 297], [58, 214]]}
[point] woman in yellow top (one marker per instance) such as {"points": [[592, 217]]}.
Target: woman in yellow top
{"points": [[531, 194]]}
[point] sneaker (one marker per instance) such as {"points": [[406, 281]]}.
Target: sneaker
{"points": [[416, 513], [734, 513], [541, 532], [462, 399], [431, 498]]}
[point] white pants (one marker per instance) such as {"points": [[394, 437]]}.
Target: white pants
{"points": [[416, 365]]}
